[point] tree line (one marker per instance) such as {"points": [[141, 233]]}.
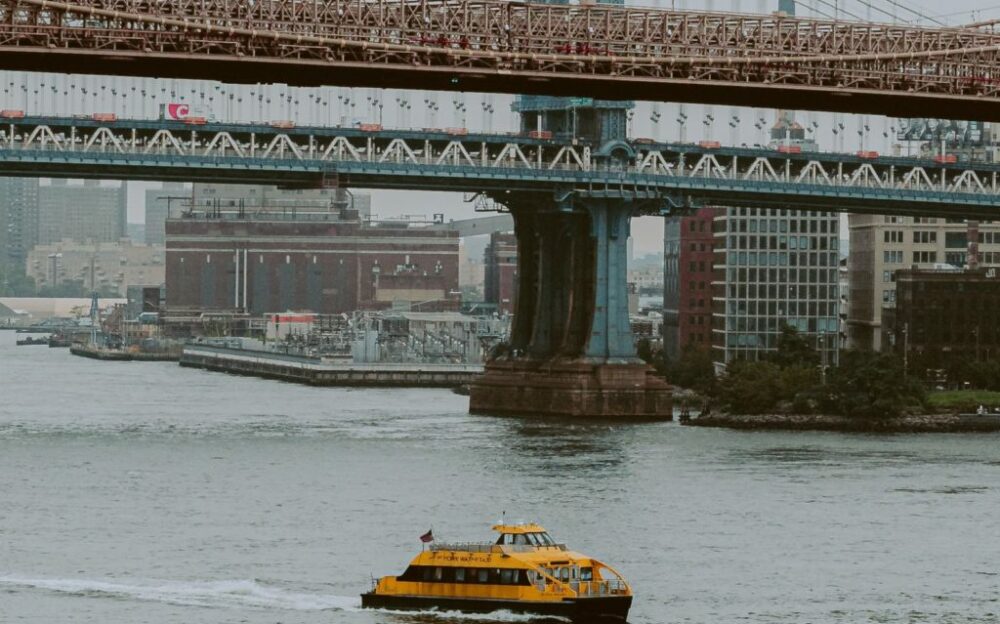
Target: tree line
{"points": [[792, 380]]}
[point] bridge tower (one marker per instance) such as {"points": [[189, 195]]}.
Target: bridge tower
{"points": [[571, 349], [585, 120]]}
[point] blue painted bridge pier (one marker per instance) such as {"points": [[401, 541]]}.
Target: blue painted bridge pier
{"points": [[571, 349]]}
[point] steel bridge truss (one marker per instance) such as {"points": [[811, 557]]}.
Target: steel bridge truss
{"points": [[496, 45], [495, 164]]}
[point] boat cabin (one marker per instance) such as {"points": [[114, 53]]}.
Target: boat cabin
{"points": [[524, 535]]}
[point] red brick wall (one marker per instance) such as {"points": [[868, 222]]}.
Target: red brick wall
{"points": [[319, 267], [695, 269]]}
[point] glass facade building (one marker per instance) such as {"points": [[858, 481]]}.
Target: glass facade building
{"points": [[774, 268]]}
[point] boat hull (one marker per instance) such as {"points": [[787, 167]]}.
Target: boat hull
{"points": [[584, 610]]}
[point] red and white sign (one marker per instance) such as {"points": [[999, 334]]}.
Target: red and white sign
{"points": [[176, 110]]}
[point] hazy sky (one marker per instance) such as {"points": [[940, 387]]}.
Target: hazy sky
{"points": [[141, 97]]}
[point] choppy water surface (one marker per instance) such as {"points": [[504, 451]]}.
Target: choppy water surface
{"points": [[143, 492]]}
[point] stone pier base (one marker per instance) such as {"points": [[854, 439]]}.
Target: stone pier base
{"points": [[572, 388]]}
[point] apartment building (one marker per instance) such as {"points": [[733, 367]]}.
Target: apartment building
{"points": [[883, 245]]}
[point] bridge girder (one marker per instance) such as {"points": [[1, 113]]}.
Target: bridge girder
{"points": [[660, 179], [594, 50]]}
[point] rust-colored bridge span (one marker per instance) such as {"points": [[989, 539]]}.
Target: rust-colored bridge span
{"points": [[499, 46]]}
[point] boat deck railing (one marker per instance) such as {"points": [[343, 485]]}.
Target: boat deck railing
{"points": [[599, 588], [487, 547]]}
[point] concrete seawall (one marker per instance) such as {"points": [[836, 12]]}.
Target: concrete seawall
{"points": [[925, 423], [317, 372]]}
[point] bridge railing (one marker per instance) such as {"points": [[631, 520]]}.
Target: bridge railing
{"points": [[497, 158]]}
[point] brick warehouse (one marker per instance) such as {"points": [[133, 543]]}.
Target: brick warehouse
{"points": [[326, 261]]}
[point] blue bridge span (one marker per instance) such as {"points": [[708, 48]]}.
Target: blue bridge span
{"points": [[656, 178]]}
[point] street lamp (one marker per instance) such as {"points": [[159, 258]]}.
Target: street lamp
{"points": [[906, 349], [975, 332]]}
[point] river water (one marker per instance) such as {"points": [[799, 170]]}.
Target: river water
{"points": [[144, 492]]}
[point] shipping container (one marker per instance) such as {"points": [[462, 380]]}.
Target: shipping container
{"points": [[10, 113], [370, 127], [540, 134], [104, 117], [709, 144], [790, 149]]}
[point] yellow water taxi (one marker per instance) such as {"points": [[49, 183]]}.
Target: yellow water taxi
{"points": [[523, 571]]}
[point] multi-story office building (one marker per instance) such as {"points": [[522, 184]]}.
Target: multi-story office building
{"points": [[157, 209], [775, 268], [91, 211], [96, 266], [947, 311], [688, 258], [18, 220], [881, 246], [646, 274], [735, 277]]}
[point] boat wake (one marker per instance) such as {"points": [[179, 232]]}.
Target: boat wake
{"points": [[225, 594], [239, 594]]}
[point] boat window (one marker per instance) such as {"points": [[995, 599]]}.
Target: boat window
{"points": [[563, 574], [505, 539], [459, 575], [586, 574], [483, 575], [533, 539], [546, 539], [532, 576], [413, 574], [507, 576], [437, 574], [574, 573], [520, 540]]}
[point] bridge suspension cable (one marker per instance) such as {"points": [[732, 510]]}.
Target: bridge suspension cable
{"points": [[919, 14]]}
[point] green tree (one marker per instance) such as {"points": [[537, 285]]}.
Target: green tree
{"points": [[750, 387], [801, 386], [872, 385], [694, 369], [793, 349]]}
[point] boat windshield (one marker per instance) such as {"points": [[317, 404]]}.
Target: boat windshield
{"points": [[525, 539]]}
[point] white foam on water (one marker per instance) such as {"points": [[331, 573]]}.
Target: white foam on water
{"points": [[226, 594], [494, 616], [236, 594]]}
